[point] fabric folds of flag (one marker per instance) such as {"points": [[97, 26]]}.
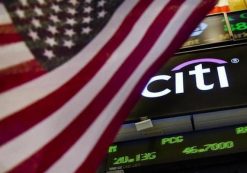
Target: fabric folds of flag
{"points": [[72, 70]]}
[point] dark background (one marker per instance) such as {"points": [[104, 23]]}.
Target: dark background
{"points": [[194, 100], [169, 153]]}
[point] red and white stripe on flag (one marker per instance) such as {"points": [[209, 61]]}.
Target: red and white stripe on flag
{"points": [[64, 120], [17, 64]]}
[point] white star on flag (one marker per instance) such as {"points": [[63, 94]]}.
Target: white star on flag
{"points": [[68, 43], [71, 21], [69, 32], [101, 3], [74, 2], [33, 35], [56, 8], [20, 13], [49, 54], [51, 41], [102, 14], [24, 3], [41, 2], [86, 30], [87, 19], [54, 18], [36, 23], [72, 11], [88, 9], [52, 29], [38, 11]]}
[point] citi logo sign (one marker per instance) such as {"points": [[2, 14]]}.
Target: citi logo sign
{"points": [[198, 73]]}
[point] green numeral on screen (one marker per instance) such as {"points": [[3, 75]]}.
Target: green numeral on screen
{"points": [[241, 26], [112, 149], [243, 16], [132, 159], [148, 156], [241, 130], [190, 150], [237, 27], [209, 147], [123, 160]]}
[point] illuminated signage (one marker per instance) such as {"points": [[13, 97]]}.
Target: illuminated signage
{"points": [[214, 29], [134, 159], [196, 82], [172, 140], [168, 149], [112, 149], [198, 72], [209, 147], [241, 130], [238, 22], [211, 30], [199, 30]]}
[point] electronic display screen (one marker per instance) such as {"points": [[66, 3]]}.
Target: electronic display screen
{"points": [[211, 30], [196, 82], [238, 22], [168, 149]]}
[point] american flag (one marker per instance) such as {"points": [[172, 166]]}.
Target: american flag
{"points": [[72, 70]]}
